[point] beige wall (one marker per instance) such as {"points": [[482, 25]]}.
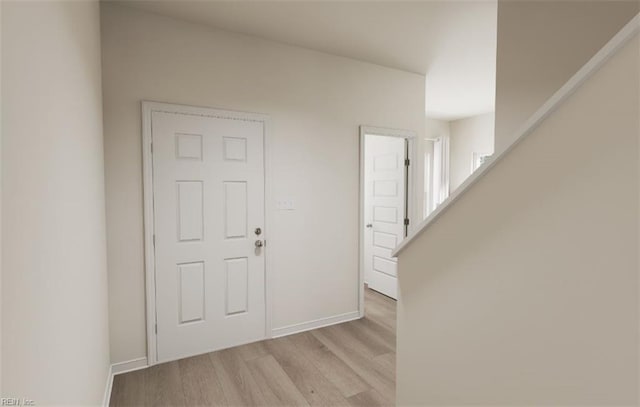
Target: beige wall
{"points": [[536, 301], [541, 44], [1, 198], [436, 128], [469, 135], [316, 102], [54, 285]]}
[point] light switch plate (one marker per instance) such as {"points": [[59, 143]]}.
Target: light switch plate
{"points": [[285, 204]]}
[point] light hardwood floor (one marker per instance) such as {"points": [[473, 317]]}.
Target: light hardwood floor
{"points": [[350, 364]]}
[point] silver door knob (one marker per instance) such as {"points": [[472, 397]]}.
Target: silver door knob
{"points": [[369, 225], [259, 243]]}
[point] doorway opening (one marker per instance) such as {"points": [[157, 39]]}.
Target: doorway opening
{"points": [[386, 190]]}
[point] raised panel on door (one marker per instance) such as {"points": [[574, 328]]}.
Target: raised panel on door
{"points": [[385, 214], [191, 289], [237, 293], [234, 148], [190, 210], [385, 240], [235, 207], [189, 146], [385, 188], [208, 198], [385, 266]]}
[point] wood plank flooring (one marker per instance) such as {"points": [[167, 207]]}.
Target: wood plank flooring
{"points": [[350, 364]]}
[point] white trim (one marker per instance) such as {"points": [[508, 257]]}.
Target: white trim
{"points": [[129, 366], [554, 102], [318, 323], [410, 136], [149, 256], [147, 169], [361, 227], [119, 368], [106, 398], [269, 223]]}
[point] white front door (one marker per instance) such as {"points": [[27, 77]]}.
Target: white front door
{"points": [[385, 209], [208, 196]]}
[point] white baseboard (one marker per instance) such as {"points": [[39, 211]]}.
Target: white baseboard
{"points": [[119, 368], [129, 365], [318, 323]]}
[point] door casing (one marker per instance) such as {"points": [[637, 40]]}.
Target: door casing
{"points": [[410, 136], [148, 108]]}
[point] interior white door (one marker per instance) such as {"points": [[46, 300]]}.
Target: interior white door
{"points": [[385, 209], [208, 191]]}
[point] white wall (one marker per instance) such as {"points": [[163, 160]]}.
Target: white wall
{"points": [[536, 301], [469, 135], [316, 102], [54, 285], [541, 44], [436, 128]]}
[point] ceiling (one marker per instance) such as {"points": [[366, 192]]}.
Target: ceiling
{"points": [[453, 43]]}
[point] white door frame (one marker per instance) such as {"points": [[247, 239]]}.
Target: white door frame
{"points": [[410, 136], [147, 172]]}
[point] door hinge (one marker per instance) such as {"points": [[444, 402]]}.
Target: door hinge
{"points": [[154, 240], [156, 328], [406, 221], [407, 162]]}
